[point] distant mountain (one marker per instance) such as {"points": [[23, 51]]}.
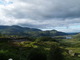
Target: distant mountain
{"points": [[74, 33], [18, 30]]}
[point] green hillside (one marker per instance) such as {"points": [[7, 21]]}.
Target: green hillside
{"points": [[25, 31]]}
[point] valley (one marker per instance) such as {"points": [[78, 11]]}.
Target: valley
{"points": [[48, 44]]}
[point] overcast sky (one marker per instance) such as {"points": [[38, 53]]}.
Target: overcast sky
{"points": [[62, 15]]}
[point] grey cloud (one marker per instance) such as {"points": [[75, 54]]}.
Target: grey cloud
{"points": [[43, 14], [46, 9]]}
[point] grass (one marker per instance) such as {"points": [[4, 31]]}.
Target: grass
{"points": [[75, 50]]}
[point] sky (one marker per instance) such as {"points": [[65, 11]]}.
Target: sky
{"points": [[61, 15]]}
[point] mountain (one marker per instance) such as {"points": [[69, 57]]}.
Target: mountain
{"points": [[18, 30], [74, 33]]}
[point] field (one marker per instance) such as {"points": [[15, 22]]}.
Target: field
{"points": [[23, 48]]}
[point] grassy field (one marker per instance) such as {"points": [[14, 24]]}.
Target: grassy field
{"points": [[75, 50], [72, 44]]}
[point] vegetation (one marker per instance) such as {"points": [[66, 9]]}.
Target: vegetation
{"points": [[25, 31], [29, 50], [39, 48]]}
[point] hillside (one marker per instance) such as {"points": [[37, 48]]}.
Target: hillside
{"points": [[18, 30]]}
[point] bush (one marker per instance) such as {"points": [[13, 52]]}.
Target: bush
{"points": [[37, 54]]}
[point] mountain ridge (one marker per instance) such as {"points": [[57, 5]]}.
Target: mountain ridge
{"points": [[18, 30]]}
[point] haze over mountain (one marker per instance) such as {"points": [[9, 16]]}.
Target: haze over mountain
{"points": [[18, 30]]}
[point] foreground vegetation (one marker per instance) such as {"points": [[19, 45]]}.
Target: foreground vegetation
{"points": [[41, 48]]}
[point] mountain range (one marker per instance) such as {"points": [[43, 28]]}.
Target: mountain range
{"points": [[18, 30]]}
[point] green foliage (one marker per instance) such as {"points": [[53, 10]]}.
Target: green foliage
{"points": [[56, 52], [41, 48], [37, 54], [44, 39]]}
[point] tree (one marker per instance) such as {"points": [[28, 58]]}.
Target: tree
{"points": [[44, 39], [37, 54], [55, 53]]}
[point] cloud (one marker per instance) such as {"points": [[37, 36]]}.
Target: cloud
{"points": [[45, 9], [44, 14]]}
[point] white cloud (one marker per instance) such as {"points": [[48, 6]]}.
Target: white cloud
{"points": [[40, 13]]}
